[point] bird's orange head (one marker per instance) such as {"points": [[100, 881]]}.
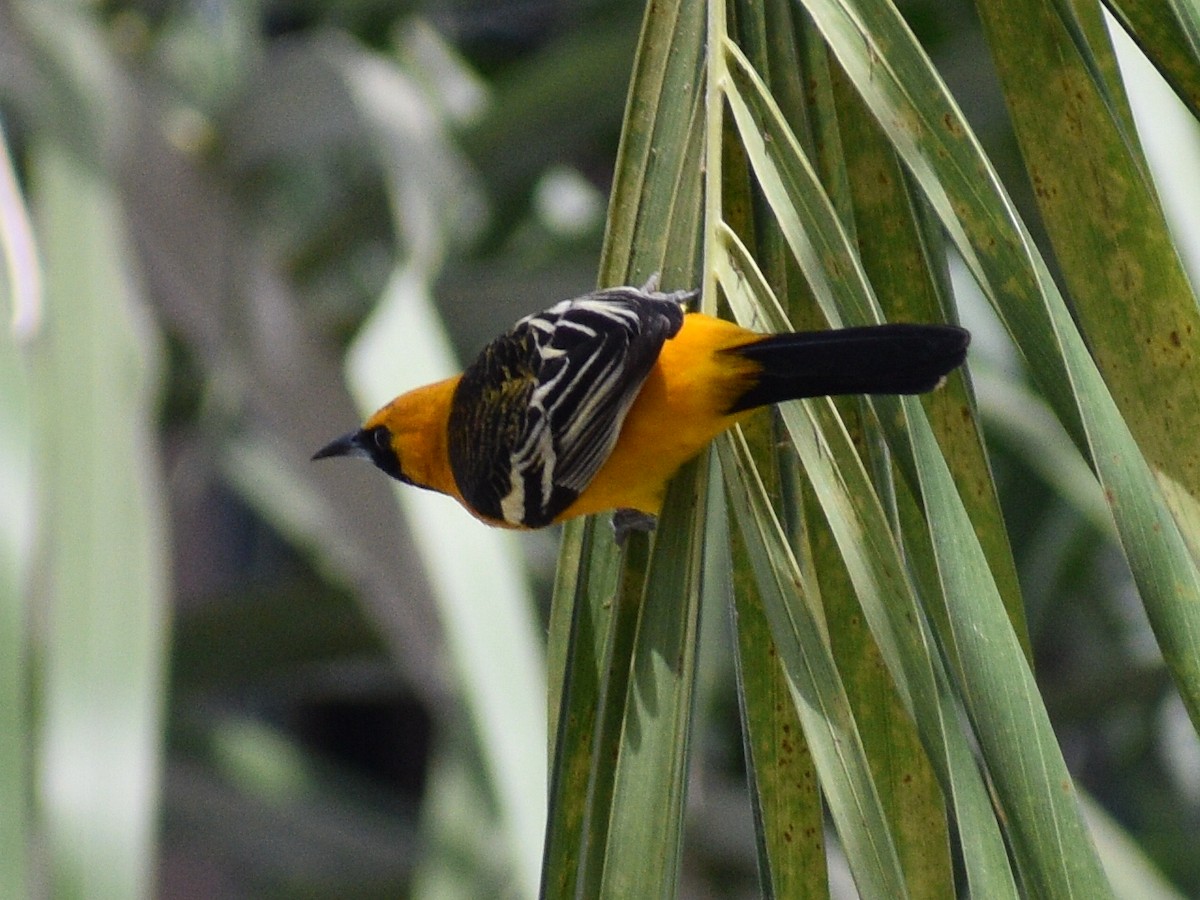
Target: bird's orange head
{"points": [[406, 439]]}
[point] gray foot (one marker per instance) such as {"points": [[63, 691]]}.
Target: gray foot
{"points": [[627, 521]]}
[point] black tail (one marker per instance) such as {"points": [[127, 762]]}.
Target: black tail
{"points": [[877, 359]]}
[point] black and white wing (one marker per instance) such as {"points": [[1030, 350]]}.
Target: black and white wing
{"points": [[537, 414]]}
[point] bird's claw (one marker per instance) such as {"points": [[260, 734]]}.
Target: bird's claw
{"points": [[683, 298]]}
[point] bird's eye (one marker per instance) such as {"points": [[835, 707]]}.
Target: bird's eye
{"points": [[378, 443]]}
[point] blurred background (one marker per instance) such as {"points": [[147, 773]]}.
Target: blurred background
{"points": [[257, 220]]}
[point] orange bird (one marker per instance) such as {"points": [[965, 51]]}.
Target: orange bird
{"points": [[594, 403]]}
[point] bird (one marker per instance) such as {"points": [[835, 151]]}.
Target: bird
{"points": [[593, 404]]}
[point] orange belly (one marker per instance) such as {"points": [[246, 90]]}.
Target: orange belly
{"points": [[679, 410]]}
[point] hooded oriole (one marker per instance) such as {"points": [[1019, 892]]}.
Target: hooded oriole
{"points": [[595, 403]]}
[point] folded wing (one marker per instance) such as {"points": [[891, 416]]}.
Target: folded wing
{"points": [[537, 414]]}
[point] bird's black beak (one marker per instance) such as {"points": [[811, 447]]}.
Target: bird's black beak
{"points": [[374, 444], [352, 444]]}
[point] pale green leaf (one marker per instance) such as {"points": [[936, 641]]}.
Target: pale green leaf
{"points": [[494, 645], [20, 304], [813, 681], [105, 580]]}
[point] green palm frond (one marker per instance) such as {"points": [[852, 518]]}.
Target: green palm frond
{"points": [[883, 667]]}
